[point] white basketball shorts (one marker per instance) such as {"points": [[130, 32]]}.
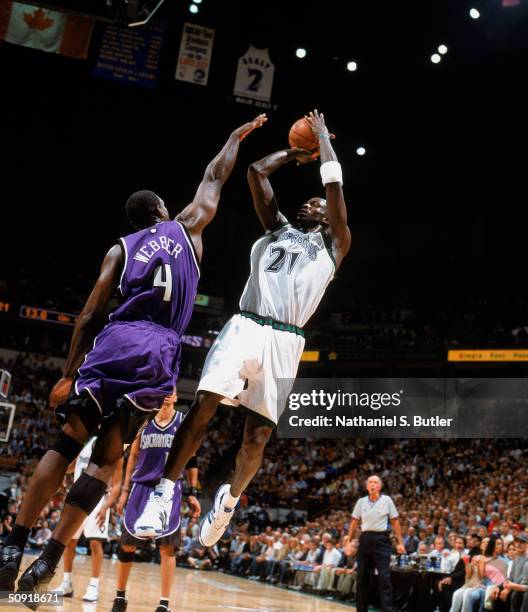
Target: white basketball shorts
{"points": [[246, 351], [90, 527]]}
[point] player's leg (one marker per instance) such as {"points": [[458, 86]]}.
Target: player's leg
{"points": [[152, 521], [191, 433], [220, 378], [249, 458], [66, 587], [83, 497], [45, 481], [124, 565], [168, 565], [96, 551]]}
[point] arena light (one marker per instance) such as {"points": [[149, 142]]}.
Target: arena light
{"points": [[352, 66], [193, 9], [474, 14], [436, 58], [300, 53], [442, 49], [197, 1], [361, 151]]}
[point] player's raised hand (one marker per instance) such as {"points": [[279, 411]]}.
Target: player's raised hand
{"points": [[318, 124], [247, 128], [61, 390]]}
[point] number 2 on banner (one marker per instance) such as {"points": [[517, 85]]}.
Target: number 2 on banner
{"points": [[167, 282]]}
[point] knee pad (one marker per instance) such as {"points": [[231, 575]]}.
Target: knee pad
{"points": [[66, 446], [125, 557], [86, 493]]}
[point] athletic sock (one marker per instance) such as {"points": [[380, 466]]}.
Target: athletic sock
{"points": [[52, 552], [164, 602], [120, 594], [229, 502], [165, 487], [18, 537], [94, 582], [67, 577]]}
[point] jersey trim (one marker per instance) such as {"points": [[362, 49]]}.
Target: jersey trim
{"points": [[328, 245], [125, 253], [171, 422], [127, 395], [191, 245]]}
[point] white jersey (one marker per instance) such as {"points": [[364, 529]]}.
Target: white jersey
{"points": [[90, 527], [84, 458], [290, 271]]}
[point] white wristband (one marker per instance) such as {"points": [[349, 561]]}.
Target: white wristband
{"points": [[331, 172]]}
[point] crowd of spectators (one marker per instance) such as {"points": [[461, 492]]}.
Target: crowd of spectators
{"points": [[445, 490]]}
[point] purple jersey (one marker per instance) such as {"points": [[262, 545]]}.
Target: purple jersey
{"points": [[155, 444], [159, 278], [137, 355]]}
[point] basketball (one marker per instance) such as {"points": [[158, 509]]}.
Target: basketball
{"points": [[301, 135]]}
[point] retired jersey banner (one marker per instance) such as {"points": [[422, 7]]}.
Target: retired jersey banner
{"points": [[46, 30], [254, 77], [196, 48], [131, 55]]}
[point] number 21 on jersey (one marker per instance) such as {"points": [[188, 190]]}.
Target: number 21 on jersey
{"points": [[280, 255]]}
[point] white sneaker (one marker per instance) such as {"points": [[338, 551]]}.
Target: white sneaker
{"points": [[215, 522], [65, 589], [153, 521], [92, 593]]}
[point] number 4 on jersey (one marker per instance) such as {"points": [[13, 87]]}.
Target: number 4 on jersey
{"points": [[166, 282]]}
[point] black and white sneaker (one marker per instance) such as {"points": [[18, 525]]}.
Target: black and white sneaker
{"points": [[120, 604], [35, 580], [10, 560], [153, 521], [215, 522]]}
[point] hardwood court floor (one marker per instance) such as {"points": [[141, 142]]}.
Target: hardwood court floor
{"points": [[193, 591]]}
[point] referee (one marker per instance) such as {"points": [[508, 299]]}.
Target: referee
{"points": [[375, 513]]}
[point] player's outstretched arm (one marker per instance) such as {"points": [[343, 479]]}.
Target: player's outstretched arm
{"points": [[133, 457], [264, 199], [89, 322], [201, 211], [335, 200]]}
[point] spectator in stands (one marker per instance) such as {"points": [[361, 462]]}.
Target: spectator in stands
{"points": [[42, 536], [322, 576], [201, 558], [411, 541], [346, 572], [513, 589]]}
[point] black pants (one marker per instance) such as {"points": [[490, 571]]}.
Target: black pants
{"points": [[374, 552]]}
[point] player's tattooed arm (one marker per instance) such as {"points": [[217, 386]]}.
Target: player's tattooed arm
{"points": [[89, 322], [335, 200], [201, 211], [264, 199]]}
